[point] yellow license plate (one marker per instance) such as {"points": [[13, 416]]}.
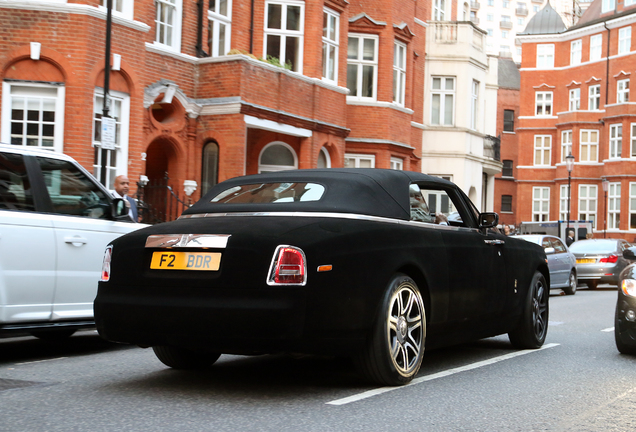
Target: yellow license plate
{"points": [[206, 261], [585, 261]]}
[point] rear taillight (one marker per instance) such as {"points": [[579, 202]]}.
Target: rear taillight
{"points": [[289, 267], [106, 264], [610, 259]]}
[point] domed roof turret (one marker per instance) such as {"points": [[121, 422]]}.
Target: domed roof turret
{"points": [[546, 21]]}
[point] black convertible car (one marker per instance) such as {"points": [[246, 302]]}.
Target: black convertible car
{"points": [[367, 263]]}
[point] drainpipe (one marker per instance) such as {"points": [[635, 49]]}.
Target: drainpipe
{"points": [[607, 65], [252, 29]]}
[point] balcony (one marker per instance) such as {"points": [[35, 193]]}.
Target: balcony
{"points": [[521, 11], [474, 20], [459, 39], [474, 5], [537, 1], [506, 25]]}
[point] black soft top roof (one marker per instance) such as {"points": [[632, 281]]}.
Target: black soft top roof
{"points": [[368, 191]]}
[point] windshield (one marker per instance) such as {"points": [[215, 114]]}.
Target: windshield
{"points": [[531, 239], [594, 246], [267, 193]]}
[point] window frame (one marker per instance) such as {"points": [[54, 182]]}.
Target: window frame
{"points": [[121, 147], [545, 56], [614, 206], [624, 40], [544, 151], [506, 203], [442, 92], [632, 206], [175, 41], [544, 104], [575, 99], [275, 167], [507, 169], [474, 104], [543, 212], [215, 20], [615, 140], [594, 97], [587, 214], [596, 47], [622, 91], [632, 140], [360, 64], [127, 8], [563, 202], [508, 124], [330, 17], [589, 145], [399, 73], [566, 144], [576, 51], [284, 33], [59, 101], [357, 157]]}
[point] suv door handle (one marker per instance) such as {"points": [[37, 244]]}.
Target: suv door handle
{"points": [[75, 241]]}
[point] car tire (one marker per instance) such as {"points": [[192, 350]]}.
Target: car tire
{"points": [[572, 282], [532, 328], [593, 284], [393, 353], [183, 358], [54, 335], [622, 347]]}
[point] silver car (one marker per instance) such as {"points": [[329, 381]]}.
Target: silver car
{"points": [[561, 261], [599, 260]]}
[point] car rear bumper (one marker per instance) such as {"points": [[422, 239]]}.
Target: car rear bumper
{"points": [[265, 320], [603, 274]]}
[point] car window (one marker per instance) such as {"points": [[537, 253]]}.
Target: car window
{"points": [[72, 192], [15, 189], [558, 245], [267, 193], [433, 206], [545, 243]]}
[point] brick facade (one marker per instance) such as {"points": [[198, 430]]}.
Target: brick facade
{"points": [[590, 127], [237, 101]]}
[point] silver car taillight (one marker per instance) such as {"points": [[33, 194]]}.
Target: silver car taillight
{"points": [[288, 267]]}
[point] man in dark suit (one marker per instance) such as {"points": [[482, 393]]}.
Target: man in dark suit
{"points": [[122, 186], [570, 238]]}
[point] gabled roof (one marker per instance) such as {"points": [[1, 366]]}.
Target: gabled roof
{"points": [[546, 21]]}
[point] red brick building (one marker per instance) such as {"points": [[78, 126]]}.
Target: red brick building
{"points": [[574, 98], [192, 97]]}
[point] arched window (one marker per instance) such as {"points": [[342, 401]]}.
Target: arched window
{"points": [[277, 156], [210, 166], [324, 160]]}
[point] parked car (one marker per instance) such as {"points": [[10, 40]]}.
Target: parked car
{"points": [[345, 262], [599, 260], [55, 221], [625, 318], [561, 262]]}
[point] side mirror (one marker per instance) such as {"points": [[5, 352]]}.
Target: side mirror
{"points": [[549, 250], [119, 209], [488, 220], [630, 253]]}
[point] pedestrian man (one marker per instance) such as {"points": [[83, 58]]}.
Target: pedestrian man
{"points": [[570, 238], [122, 186]]}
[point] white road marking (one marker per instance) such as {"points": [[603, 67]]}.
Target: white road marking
{"points": [[40, 361], [442, 374], [607, 330]]}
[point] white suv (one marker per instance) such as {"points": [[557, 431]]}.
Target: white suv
{"points": [[55, 222]]}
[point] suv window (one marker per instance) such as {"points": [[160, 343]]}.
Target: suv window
{"points": [[15, 189], [71, 191]]}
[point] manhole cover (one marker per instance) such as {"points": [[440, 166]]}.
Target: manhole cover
{"points": [[8, 384]]}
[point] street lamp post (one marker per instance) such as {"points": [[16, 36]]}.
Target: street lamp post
{"points": [[605, 184], [569, 164]]}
